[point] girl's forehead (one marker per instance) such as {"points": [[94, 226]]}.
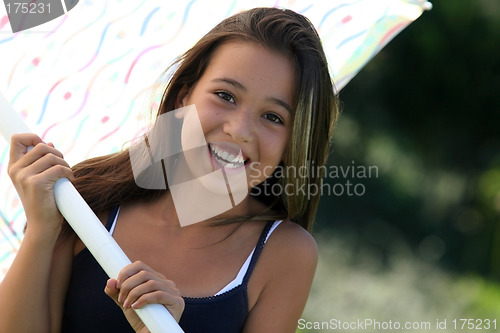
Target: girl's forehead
{"points": [[240, 49], [252, 65]]}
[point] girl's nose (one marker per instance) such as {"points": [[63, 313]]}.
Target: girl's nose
{"points": [[240, 126]]}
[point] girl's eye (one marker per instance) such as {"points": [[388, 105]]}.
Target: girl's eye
{"points": [[273, 118], [225, 96]]}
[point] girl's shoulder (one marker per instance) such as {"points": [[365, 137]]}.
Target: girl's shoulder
{"points": [[291, 240], [282, 278], [290, 253]]}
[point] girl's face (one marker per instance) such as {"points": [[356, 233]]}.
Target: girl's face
{"points": [[244, 100]]}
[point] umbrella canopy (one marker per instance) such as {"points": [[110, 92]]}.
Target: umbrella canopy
{"points": [[88, 79]]}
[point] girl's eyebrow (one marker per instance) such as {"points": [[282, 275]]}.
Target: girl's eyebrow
{"points": [[281, 103], [241, 87], [232, 82]]}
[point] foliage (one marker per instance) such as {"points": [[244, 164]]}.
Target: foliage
{"points": [[422, 242], [425, 113]]}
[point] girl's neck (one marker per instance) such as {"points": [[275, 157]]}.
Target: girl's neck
{"points": [[163, 211]]}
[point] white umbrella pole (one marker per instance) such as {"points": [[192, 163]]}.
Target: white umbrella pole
{"points": [[89, 228]]}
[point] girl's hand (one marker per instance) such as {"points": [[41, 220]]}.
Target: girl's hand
{"points": [[34, 174], [138, 285]]}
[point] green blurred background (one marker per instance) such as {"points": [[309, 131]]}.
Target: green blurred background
{"points": [[423, 241]]}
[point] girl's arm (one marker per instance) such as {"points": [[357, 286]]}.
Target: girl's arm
{"points": [[32, 292], [285, 271]]}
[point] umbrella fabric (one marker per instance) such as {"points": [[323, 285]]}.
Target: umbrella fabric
{"points": [[88, 80]]}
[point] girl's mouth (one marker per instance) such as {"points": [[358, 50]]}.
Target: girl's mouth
{"points": [[226, 158]]}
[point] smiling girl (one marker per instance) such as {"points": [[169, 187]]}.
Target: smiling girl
{"points": [[259, 81]]}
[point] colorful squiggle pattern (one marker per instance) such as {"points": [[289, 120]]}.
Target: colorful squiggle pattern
{"points": [[84, 81]]}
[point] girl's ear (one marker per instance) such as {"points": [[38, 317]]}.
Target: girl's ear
{"points": [[181, 97]]}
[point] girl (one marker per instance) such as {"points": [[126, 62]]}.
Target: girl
{"points": [[260, 81]]}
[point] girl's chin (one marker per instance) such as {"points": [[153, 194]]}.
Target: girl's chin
{"points": [[218, 184]]}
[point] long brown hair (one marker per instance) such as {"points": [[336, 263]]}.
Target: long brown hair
{"points": [[108, 181]]}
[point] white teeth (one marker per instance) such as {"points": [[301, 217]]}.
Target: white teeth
{"points": [[232, 165], [223, 158]]}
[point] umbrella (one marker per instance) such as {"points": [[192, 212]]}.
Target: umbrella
{"points": [[86, 79]]}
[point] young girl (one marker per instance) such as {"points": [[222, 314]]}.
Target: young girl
{"points": [[260, 81]]}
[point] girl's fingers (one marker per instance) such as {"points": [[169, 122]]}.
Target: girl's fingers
{"points": [[41, 175], [42, 160], [158, 297], [53, 165], [143, 281], [140, 285], [149, 287], [155, 292], [59, 171], [19, 144], [42, 156], [134, 274], [39, 150], [45, 163], [111, 289], [131, 270]]}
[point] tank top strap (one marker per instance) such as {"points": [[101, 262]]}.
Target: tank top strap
{"points": [[112, 217], [258, 249]]}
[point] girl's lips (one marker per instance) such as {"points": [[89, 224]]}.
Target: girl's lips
{"points": [[230, 148], [227, 155]]}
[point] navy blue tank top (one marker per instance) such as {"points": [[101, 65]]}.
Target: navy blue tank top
{"points": [[89, 309]]}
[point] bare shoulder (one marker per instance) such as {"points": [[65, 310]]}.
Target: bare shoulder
{"points": [[292, 243], [281, 282], [291, 255]]}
